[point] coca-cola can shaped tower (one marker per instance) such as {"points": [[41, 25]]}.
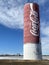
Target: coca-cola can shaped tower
{"points": [[32, 44]]}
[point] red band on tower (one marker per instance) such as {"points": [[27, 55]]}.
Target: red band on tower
{"points": [[31, 23]]}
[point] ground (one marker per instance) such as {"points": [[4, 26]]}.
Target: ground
{"points": [[23, 62]]}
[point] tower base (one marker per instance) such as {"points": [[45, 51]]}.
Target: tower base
{"points": [[32, 51]]}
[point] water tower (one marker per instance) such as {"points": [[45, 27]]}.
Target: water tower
{"points": [[32, 44]]}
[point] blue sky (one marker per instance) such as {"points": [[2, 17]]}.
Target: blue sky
{"points": [[11, 40], [11, 25]]}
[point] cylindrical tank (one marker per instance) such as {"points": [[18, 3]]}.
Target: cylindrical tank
{"points": [[32, 45]]}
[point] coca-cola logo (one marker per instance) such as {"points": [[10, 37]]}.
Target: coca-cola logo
{"points": [[34, 21]]}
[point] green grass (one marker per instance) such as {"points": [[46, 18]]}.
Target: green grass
{"points": [[23, 62]]}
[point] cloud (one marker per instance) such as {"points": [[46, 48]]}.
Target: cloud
{"points": [[45, 45], [45, 28], [11, 13], [45, 36], [45, 31], [42, 1]]}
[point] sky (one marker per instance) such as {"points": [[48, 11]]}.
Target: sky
{"points": [[12, 25]]}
